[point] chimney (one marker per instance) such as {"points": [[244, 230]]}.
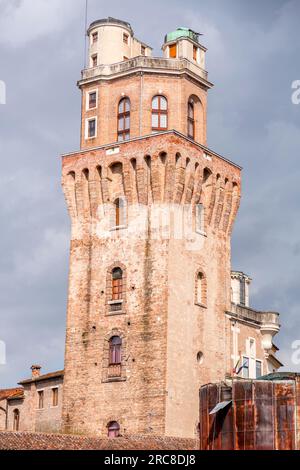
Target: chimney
{"points": [[36, 371]]}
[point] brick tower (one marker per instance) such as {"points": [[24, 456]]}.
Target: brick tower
{"points": [[146, 323]]}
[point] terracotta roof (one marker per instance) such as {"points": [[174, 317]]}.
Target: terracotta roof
{"points": [[52, 375], [11, 393]]}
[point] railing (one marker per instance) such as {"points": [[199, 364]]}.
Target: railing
{"points": [[115, 306], [114, 371], [255, 315], [157, 63]]}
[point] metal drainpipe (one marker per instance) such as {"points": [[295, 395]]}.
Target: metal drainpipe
{"points": [[6, 419]]}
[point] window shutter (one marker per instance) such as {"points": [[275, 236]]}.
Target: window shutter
{"points": [[173, 51]]}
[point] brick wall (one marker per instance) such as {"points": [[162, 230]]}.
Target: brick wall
{"points": [[161, 326], [176, 89]]}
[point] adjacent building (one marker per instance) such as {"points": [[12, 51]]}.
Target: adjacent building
{"points": [[36, 406]]}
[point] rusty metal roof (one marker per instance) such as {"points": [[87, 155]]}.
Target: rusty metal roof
{"points": [[280, 376]]}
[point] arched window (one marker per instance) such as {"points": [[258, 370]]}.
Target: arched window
{"points": [[201, 289], [115, 351], [117, 284], [120, 212], [113, 430], [159, 113], [191, 119], [16, 423], [124, 120]]}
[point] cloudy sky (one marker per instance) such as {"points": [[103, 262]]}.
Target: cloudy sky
{"points": [[253, 59]]}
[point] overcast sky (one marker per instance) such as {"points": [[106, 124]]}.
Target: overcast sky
{"points": [[253, 58]]}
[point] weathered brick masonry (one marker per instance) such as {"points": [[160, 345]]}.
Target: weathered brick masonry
{"points": [[159, 292]]}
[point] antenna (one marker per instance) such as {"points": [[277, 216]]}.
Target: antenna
{"points": [[85, 31]]}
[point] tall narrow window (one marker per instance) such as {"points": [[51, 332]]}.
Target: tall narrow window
{"points": [[201, 290], [143, 50], [94, 60], [91, 128], [125, 38], [173, 51], [95, 37], [199, 287], [245, 370], [124, 120], [195, 53], [117, 284], [55, 397], [113, 430], [115, 351], [159, 113], [120, 212], [242, 291], [258, 369], [41, 399], [16, 423], [92, 100], [191, 119]]}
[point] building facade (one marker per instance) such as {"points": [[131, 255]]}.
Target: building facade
{"points": [[35, 406], [154, 311]]}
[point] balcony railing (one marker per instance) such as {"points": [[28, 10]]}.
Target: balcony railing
{"points": [[256, 316], [114, 371], [142, 62]]}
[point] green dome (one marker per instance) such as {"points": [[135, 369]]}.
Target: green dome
{"points": [[182, 32]]}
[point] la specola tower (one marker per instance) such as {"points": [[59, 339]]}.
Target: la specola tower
{"points": [[150, 314]]}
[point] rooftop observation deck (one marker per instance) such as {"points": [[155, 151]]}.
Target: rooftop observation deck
{"points": [[146, 64]]}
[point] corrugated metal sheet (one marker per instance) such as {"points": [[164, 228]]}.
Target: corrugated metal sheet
{"points": [[264, 415]]}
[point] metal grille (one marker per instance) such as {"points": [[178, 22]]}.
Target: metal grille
{"points": [[116, 307]]}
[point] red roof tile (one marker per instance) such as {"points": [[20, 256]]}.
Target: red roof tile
{"points": [[11, 393]]}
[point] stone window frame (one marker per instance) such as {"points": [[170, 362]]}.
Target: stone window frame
{"points": [[203, 302], [123, 213], [55, 387], [16, 419], [87, 99], [159, 112], [87, 121], [262, 367], [41, 392], [109, 302], [191, 122], [106, 367], [123, 135]]}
